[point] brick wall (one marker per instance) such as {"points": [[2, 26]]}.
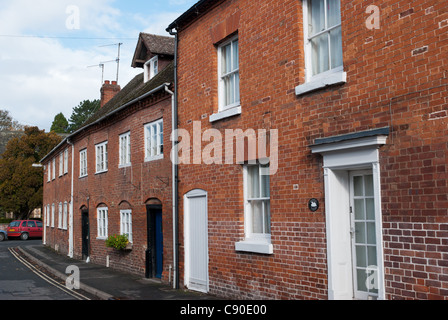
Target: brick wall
{"points": [[396, 77], [124, 188], [119, 188]]}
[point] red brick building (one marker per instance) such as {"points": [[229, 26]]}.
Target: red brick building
{"points": [[113, 175], [351, 101]]}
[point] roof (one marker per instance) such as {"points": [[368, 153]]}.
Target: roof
{"points": [[198, 9], [158, 44], [134, 91], [155, 44]]}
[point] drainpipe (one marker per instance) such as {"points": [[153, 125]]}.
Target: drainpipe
{"points": [[175, 169], [70, 232]]}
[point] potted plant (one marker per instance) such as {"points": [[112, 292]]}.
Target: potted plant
{"points": [[119, 242]]}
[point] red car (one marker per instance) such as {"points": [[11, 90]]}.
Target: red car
{"points": [[25, 229]]}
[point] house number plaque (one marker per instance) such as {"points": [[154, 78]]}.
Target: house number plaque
{"points": [[313, 204]]}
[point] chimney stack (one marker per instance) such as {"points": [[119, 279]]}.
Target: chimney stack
{"points": [[108, 91]]}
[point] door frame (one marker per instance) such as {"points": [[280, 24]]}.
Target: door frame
{"points": [[151, 250], [342, 154], [197, 193]]}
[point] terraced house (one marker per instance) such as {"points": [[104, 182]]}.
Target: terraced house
{"points": [[309, 154], [113, 175], [352, 204]]}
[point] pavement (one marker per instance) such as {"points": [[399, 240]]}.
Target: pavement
{"points": [[105, 283]]}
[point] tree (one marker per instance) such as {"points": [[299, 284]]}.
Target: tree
{"points": [[21, 185], [81, 113], [60, 124], [7, 123]]}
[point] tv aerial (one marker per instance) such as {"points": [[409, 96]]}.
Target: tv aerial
{"points": [[101, 64]]}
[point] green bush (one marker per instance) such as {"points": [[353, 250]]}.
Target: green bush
{"points": [[118, 242]]}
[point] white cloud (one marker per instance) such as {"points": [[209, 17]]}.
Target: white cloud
{"points": [[40, 77]]}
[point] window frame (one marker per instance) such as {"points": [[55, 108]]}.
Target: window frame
{"points": [[61, 164], [127, 149], [83, 172], [52, 215], [326, 78], [65, 215], [101, 164], [126, 224], [222, 103], [159, 142], [47, 217], [53, 177], [255, 242], [60, 215], [102, 222], [65, 161], [151, 68]]}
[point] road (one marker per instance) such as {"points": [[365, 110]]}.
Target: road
{"points": [[20, 280]]}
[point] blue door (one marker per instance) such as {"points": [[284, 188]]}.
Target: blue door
{"points": [[158, 241]]}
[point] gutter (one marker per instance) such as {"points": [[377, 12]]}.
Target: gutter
{"points": [[175, 168]]}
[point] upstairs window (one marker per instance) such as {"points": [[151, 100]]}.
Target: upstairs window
{"points": [[54, 169], [66, 161], [229, 76], [151, 68], [83, 163], [154, 140], [101, 157], [125, 149], [323, 36], [61, 164]]}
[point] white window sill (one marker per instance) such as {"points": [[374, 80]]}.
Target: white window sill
{"points": [[254, 246], [225, 114], [159, 157], [100, 172], [322, 82], [124, 165]]}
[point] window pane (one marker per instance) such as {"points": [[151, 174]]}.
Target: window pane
{"points": [[371, 236], [235, 55], [361, 256], [359, 209], [371, 255], [357, 186], [336, 47], [368, 182], [370, 209], [267, 216], [257, 217], [254, 182], [316, 16], [333, 13], [319, 49], [360, 232], [265, 192], [361, 276], [237, 87]]}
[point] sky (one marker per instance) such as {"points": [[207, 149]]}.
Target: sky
{"points": [[51, 50]]}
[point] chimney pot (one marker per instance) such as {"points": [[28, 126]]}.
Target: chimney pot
{"points": [[108, 91]]}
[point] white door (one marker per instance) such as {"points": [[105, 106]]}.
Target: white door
{"points": [[196, 241], [364, 235]]}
